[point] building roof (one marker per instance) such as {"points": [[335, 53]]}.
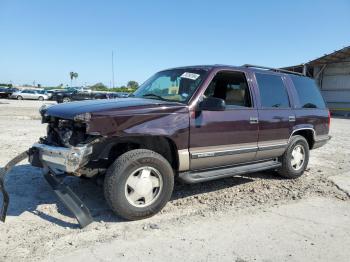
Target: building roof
{"points": [[336, 56]]}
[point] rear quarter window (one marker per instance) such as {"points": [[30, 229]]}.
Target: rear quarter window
{"points": [[308, 93], [272, 91]]}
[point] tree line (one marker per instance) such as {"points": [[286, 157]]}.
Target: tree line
{"points": [[130, 87]]}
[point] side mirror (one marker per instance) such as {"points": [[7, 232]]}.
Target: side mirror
{"points": [[212, 104]]}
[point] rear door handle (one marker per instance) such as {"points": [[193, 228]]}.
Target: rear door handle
{"points": [[253, 120], [291, 118]]}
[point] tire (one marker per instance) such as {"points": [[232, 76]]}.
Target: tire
{"points": [[41, 98], [294, 167], [66, 100], [128, 167], [19, 98]]}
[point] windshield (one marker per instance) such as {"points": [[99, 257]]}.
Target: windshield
{"points": [[176, 85]]}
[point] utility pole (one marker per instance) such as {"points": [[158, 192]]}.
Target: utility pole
{"points": [[112, 69]]}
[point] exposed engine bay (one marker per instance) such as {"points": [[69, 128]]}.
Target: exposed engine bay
{"points": [[67, 133]]}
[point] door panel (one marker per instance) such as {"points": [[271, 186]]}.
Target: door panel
{"points": [[229, 137], [275, 115], [274, 131], [222, 138], [25, 95]]}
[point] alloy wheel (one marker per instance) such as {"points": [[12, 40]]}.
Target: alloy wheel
{"points": [[298, 157], [143, 186]]}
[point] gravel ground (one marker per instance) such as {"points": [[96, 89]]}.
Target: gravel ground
{"points": [[39, 226]]}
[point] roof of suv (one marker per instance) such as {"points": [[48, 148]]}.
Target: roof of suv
{"points": [[253, 68]]}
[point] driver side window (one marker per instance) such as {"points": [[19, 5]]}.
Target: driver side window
{"points": [[231, 87]]}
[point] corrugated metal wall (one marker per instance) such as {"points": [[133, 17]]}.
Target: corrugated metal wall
{"points": [[334, 82]]}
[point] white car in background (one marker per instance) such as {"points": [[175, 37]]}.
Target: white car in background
{"points": [[30, 94]]}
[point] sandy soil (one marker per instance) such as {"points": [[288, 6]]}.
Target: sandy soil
{"points": [[39, 227]]}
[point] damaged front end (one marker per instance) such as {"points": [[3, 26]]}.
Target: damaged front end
{"points": [[64, 151]]}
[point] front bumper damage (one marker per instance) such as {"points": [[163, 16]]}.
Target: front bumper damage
{"points": [[55, 162]]}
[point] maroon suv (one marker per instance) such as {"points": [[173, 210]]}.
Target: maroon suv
{"points": [[195, 123]]}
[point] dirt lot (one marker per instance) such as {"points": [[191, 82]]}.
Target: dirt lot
{"points": [[38, 227]]}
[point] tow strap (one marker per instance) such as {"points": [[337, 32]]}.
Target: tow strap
{"points": [[6, 169], [63, 192]]}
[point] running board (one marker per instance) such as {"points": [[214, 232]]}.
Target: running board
{"points": [[192, 177]]}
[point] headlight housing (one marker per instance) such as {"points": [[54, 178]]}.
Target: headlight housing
{"points": [[43, 109], [85, 117]]}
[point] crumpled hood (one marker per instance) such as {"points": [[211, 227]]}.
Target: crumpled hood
{"points": [[69, 110]]}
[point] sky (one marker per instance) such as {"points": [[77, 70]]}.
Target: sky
{"points": [[43, 41]]}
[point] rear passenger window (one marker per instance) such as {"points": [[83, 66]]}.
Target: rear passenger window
{"points": [[308, 92], [273, 93]]}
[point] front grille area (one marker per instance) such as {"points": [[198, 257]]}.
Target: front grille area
{"points": [[67, 133]]}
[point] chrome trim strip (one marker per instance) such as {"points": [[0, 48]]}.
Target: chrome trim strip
{"points": [[224, 150], [272, 147], [184, 159], [223, 153], [220, 148]]}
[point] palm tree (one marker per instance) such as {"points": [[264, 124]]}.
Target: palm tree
{"points": [[76, 76], [73, 75]]}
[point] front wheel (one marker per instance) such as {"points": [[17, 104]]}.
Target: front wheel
{"points": [[19, 98], [138, 184], [41, 98], [295, 159]]}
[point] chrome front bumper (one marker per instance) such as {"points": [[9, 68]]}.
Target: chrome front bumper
{"points": [[53, 159], [60, 159]]}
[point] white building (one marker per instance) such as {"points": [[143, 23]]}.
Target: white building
{"points": [[332, 73]]}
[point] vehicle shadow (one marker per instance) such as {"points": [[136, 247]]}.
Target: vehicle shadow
{"points": [[182, 190], [29, 192]]}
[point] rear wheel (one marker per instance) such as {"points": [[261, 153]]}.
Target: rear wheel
{"points": [[19, 98], [138, 184], [295, 159], [41, 98]]}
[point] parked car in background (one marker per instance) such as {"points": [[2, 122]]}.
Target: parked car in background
{"points": [[49, 94], [79, 95], [6, 92], [76, 95], [118, 95], [30, 94]]}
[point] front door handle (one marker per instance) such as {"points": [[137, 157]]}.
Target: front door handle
{"points": [[253, 120], [291, 118]]}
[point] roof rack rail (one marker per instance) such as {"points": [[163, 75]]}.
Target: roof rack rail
{"points": [[274, 69]]}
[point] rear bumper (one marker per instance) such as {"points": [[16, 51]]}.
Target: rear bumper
{"points": [[60, 159], [321, 141]]}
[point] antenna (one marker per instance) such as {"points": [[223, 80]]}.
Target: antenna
{"points": [[112, 69]]}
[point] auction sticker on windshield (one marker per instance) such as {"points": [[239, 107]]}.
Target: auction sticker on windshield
{"points": [[189, 75]]}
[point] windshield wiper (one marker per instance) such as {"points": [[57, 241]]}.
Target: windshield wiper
{"points": [[154, 95]]}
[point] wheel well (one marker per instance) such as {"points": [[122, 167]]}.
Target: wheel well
{"points": [[159, 144], [308, 134]]}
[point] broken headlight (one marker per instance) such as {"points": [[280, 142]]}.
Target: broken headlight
{"points": [[83, 117]]}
